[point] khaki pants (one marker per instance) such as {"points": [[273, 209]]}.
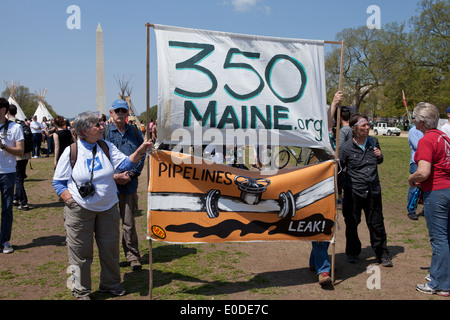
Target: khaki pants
{"points": [[128, 207], [82, 226]]}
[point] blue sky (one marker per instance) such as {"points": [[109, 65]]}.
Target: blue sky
{"points": [[39, 51]]}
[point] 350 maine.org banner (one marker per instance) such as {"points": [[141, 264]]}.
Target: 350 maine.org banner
{"points": [[224, 81]]}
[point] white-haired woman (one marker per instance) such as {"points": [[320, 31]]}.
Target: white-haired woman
{"points": [[90, 194], [433, 175]]}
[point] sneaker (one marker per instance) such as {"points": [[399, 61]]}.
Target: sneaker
{"points": [[135, 265], [25, 207], [425, 288], [83, 298], [15, 203], [34, 157], [7, 248], [413, 216], [386, 262], [118, 291], [324, 279]]}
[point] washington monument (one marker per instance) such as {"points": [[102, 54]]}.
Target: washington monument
{"points": [[100, 72]]}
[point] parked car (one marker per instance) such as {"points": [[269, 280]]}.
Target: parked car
{"points": [[382, 128]]}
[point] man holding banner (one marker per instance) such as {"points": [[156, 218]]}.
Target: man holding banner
{"points": [[318, 259]]}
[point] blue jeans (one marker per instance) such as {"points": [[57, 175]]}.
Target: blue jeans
{"points": [[319, 257], [37, 140], [50, 145], [7, 182], [21, 173], [437, 210], [412, 169]]}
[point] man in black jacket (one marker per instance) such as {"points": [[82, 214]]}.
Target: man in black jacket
{"points": [[360, 157]]}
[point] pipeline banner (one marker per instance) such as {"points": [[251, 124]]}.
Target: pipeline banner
{"points": [[226, 81], [192, 200]]}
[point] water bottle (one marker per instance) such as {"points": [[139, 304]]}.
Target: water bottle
{"points": [[412, 204]]}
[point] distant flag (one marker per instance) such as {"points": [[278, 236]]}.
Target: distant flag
{"points": [[406, 107]]}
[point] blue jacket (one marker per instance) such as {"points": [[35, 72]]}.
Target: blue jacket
{"points": [[128, 143]]}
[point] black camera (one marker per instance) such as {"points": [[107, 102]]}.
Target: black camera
{"points": [[86, 189]]}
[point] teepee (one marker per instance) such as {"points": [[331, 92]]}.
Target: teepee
{"points": [[41, 110], [12, 88], [125, 94]]}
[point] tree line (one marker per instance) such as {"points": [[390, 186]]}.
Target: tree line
{"points": [[378, 64], [27, 100]]}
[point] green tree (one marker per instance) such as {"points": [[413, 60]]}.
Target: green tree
{"points": [[379, 64], [361, 72], [152, 114]]}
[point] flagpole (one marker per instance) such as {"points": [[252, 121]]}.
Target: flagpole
{"points": [[336, 164], [406, 107], [150, 253]]}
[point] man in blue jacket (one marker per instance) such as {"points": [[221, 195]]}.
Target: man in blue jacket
{"points": [[127, 139]]}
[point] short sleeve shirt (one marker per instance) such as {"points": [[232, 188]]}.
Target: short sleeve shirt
{"points": [[14, 134], [105, 195], [434, 148]]}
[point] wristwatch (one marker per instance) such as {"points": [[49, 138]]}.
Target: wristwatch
{"points": [[69, 201], [130, 174]]}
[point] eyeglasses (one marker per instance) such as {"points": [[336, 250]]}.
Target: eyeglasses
{"points": [[123, 110], [98, 125]]}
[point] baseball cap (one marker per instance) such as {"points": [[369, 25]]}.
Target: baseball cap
{"points": [[119, 103], [448, 110]]}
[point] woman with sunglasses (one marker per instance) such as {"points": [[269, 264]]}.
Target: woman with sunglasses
{"points": [[88, 189]]}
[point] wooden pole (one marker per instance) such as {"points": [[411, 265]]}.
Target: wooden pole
{"points": [[147, 135], [336, 164]]}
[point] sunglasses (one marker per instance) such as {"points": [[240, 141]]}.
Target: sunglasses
{"points": [[123, 110]]}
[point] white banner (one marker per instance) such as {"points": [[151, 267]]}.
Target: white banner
{"points": [[241, 84]]}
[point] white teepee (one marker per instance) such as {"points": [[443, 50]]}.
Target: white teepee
{"points": [[125, 94], [41, 110], [12, 88]]}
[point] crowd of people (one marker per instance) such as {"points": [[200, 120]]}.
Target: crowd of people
{"points": [[98, 162]]}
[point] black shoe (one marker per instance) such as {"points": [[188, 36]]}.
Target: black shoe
{"points": [[413, 216], [135, 265], [118, 292], [386, 262]]}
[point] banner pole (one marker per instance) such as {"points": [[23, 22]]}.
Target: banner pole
{"points": [[150, 253], [338, 127]]}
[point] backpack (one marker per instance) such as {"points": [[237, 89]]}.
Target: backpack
{"points": [[27, 136], [74, 151]]}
